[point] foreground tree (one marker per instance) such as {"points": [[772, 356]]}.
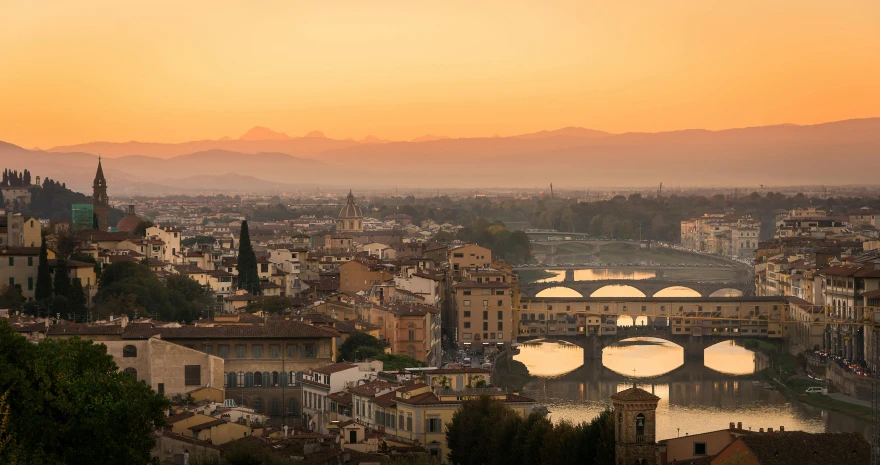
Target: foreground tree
{"points": [[62, 395], [248, 278]]}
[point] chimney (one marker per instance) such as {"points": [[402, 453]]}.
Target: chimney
{"points": [[732, 425], [761, 430], [739, 425], [769, 430], [781, 429]]}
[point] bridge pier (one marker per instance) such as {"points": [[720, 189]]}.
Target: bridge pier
{"points": [[694, 347], [593, 345], [569, 275]]}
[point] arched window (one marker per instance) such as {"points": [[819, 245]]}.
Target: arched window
{"points": [[241, 378], [640, 428], [231, 379], [131, 371], [249, 379], [276, 380], [291, 407], [258, 379], [284, 379], [412, 351], [267, 379], [258, 404], [129, 351], [275, 407]]}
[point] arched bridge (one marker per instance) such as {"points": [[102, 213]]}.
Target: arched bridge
{"points": [[694, 346], [649, 287]]}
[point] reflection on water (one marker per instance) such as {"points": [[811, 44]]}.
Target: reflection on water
{"points": [[558, 277], [603, 273], [643, 357], [694, 398]]}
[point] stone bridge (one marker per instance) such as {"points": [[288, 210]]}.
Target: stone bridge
{"points": [[694, 346], [649, 287]]}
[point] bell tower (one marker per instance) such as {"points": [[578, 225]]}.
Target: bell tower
{"points": [[100, 202], [635, 426]]}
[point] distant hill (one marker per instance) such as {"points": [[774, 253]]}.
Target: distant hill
{"points": [[841, 152], [53, 200], [261, 133]]}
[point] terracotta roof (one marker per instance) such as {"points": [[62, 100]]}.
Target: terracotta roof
{"points": [[342, 398], [335, 368], [20, 251], [353, 326], [634, 394], [797, 447], [74, 329], [871, 294], [206, 425], [278, 329], [370, 389], [412, 308], [178, 417]]}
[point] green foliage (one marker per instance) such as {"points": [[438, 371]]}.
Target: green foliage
{"points": [[485, 431], [396, 362], [76, 299], [53, 201], [11, 296], [512, 246], [178, 299], [358, 344], [141, 228], [61, 284], [62, 395], [248, 453], [273, 304], [248, 278], [43, 289], [191, 241]]}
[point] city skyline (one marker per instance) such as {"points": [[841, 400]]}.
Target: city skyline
{"points": [[111, 72]]}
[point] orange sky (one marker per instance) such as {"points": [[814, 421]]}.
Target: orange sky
{"points": [[77, 71]]}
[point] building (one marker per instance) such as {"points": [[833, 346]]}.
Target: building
{"points": [[318, 384], [361, 275], [130, 221], [635, 424], [469, 257], [350, 217], [699, 446], [796, 448], [722, 234], [484, 313], [19, 231], [18, 267], [100, 200]]}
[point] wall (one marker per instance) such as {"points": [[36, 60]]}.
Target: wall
{"points": [[849, 383]]}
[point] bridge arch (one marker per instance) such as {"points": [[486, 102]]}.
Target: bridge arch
{"points": [[727, 292], [559, 291], [617, 290], [650, 356], [677, 291]]}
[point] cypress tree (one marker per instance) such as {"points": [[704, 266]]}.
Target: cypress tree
{"points": [[248, 279], [44, 278], [62, 280], [77, 299]]}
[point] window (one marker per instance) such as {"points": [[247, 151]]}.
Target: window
{"points": [[467, 292], [257, 351], [291, 406], [485, 303], [291, 350], [241, 351], [500, 326], [467, 324], [467, 313], [500, 315], [30, 261], [11, 261], [485, 326], [223, 351], [258, 404], [131, 371], [700, 448], [435, 425], [274, 351], [30, 283], [467, 303], [500, 303], [258, 379], [230, 380], [500, 335], [466, 336], [409, 422], [411, 335], [485, 315], [310, 351], [129, 351], [640, 428], [499, 292], [192, 375]]}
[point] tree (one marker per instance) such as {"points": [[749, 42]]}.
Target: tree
{"points": [[129, 278], [43, 288], [248, 278], [188, 298], [63, 394], [362, 343], [61, 286], [11, 296], [191, 241], [118, 304], [141, 228], [76, 301]]}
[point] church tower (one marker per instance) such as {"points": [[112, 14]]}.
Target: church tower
{"points": [[635, 425], [100, 201]]}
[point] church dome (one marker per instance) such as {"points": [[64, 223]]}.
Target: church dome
{"points": [[129, 222], [350, 210]]}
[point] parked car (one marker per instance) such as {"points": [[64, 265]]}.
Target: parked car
{"points": [[817, 390]]}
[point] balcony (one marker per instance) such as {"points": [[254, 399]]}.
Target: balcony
{"points": [[641, 439]]}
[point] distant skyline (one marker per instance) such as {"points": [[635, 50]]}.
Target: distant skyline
{"points": [[75, 72]]}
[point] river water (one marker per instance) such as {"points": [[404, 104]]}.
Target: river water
{"points": [[695, 397]]}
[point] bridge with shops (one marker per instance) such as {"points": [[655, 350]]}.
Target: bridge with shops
{"points": [[648, 287]]}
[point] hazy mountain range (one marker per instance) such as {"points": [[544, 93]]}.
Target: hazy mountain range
{"points": [[842, 152]]}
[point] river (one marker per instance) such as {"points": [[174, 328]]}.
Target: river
{"points": [[695, 397]]}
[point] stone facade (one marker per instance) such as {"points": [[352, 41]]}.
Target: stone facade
{"points": [[635, 424]]}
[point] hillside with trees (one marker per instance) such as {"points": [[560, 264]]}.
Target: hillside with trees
{"points": [[50, 199]]}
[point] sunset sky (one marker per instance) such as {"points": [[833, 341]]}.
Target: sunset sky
{"points": [[170, 71]]}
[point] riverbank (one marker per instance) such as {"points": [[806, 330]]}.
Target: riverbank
{"points": [[786, 374]]}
